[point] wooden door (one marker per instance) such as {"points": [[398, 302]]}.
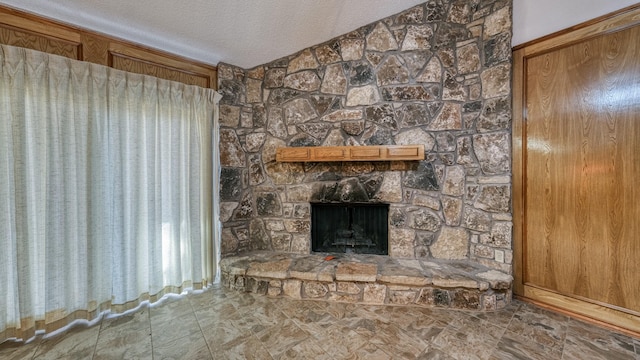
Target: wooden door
{"points": [[579, 242]]}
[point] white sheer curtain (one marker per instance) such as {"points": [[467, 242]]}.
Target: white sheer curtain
{"points": [[105, 190]]}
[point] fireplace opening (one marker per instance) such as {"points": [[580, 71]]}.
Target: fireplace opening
{"points": [[350, 228]]}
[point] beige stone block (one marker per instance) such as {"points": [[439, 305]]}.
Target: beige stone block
{"points": [[432, 73], [426, 201], [274, 291], [496, 81], [374, 294], [315, 289], [306, 267], [356, 272], [292, 288], [302, 275], [381, 39], [489, 302], [452, 243], [502, 217], [364, 95], [402, 297], [327, 273], [497, 22], [449, 118], [401, 243], [390, 190], [335, 82], [300, 244], [237, 270], [304, 81], [405, 280], [417, 37], [343, 115], [455, 282], [496, 279], [305, 60], [270, 269], [256, 73], [348, 287], [334, 138], [254, 91], [352, 49]]}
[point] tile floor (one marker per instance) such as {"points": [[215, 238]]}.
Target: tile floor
{"points": [[224, 324]]}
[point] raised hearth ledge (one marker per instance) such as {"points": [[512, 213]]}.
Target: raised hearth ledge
{"points": [[369, 279]]}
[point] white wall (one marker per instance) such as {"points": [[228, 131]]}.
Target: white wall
{"points": [[536, 18]]}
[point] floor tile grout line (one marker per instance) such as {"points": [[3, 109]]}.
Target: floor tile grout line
{"points": [[201, 331], [495, 347], [95, 347]]}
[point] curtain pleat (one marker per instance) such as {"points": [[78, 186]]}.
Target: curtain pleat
{"points": [[105, 190]]}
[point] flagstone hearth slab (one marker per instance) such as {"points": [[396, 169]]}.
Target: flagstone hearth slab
{"points": [[353, 271], [369, 279]]}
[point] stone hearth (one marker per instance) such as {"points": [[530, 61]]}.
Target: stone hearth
{"points": [[369, 279]]}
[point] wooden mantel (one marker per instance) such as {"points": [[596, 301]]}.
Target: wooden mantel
{"points": [[350, 153]]}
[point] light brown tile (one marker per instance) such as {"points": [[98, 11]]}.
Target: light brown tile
{"points": [[162, 332], [585, 341], [425, 328], [77, 343], [277, 339], [500, 317], [370, 352], [192, 347], [250, 349], [211, 316], [340, 341], [125, 337], [473, 339], [11, 350], [542, 326], [514, 346], [126, 347], [433, 353], [224, 336], [307, 349], [132, 322], [314, 320], [396, 342], [171, 308]]}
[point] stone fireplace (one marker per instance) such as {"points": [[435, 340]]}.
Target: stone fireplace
{"points": [[437, 74]]}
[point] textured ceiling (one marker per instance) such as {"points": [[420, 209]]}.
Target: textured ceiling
{"points": [[245, 33]]}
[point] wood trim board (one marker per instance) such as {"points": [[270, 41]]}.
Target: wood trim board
{"points": [[31, 31], [350, 153]]}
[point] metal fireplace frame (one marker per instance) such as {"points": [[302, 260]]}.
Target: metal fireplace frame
{"points": [[350, 228]]}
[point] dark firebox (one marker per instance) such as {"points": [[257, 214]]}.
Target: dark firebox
{"points": [[350, 228]]}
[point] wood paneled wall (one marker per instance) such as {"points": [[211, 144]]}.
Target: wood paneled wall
{"points": [[26, 30], [576, 165]]}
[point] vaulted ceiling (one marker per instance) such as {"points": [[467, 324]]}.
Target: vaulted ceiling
{"points": [[245, 33], [248, 33]]}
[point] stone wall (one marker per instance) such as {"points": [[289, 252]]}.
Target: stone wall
{"points": [[437, 74]]}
